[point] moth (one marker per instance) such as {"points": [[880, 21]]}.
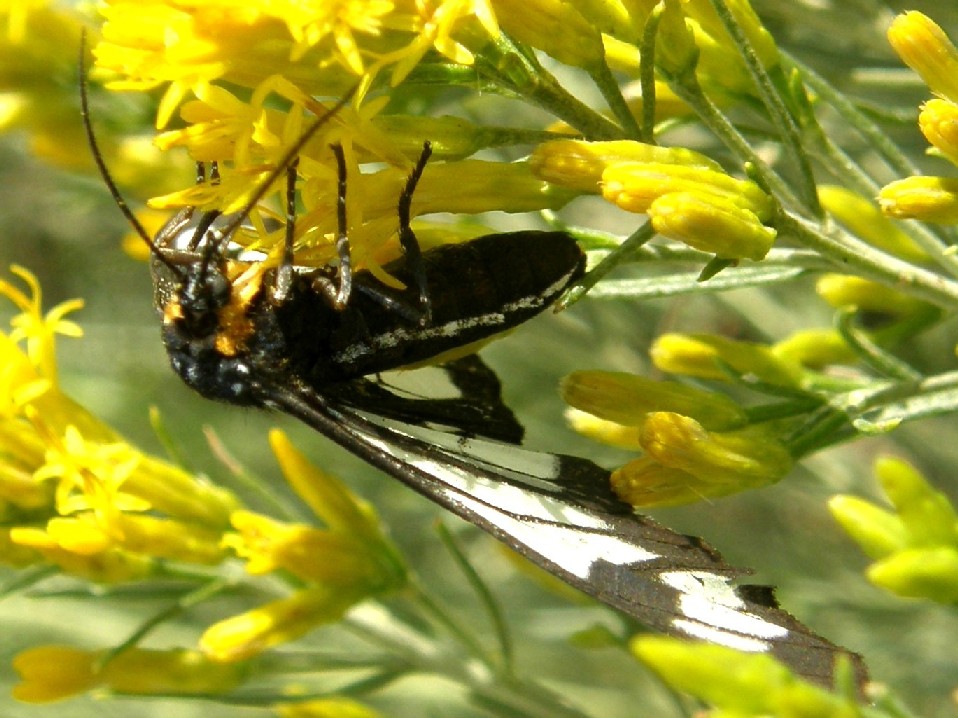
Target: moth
{"points": [[310, 342]]}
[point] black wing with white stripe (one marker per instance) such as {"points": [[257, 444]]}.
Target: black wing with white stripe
{"points": [[559, 512]]}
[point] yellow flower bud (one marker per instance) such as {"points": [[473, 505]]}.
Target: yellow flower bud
{"points": [[247, 634], [938, 121], [926, 49], [927, 514], [843, 290], [712, 225], [919, 573], [326, 708], [51, 673], [814, 349], [110, 566], [627, 399], [608, 432], [675, 49], [633, 186], [863, 217], [702, 355], [579, 164], [877, 531], [744, 459], [932, 199], [554, 26], [645, 483]]}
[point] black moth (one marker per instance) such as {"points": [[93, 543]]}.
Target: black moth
{"points": [[304, 341]]}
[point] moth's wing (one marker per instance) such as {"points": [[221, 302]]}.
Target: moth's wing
{"points": [[462, 397], [559, 512]]}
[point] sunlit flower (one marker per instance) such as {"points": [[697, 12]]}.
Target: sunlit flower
{"points": [[925, 48], [713, 357], [915, 545], [327, 708], [346, 561], [682, 461], [739, 683], [53, 673]]}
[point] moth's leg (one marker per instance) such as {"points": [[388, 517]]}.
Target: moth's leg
{"points": [[338, 295], [284, 275], [407, 238]]}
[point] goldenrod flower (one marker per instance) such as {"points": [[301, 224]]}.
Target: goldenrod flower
{"points": [[252, 632], [633, 186], [53, 673], [580, 165], [739, 683], [326, 708], [863, 217], [711, 224], [925, 48], [554, 26], [703, 356], [932, 199], [347, 561], [842, 290], [938, 121], [914, 547], [814, 349], [628, 399]]}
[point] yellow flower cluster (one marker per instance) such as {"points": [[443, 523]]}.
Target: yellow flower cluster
{"points": [[77, 498], [924, 47]]}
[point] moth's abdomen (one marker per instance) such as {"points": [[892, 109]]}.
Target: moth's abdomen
{"points": [[477, 289]]}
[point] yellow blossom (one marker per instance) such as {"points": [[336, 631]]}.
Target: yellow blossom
{"points": [[842, 290], [814, 349], [628, 399], [247, 634], [554, 26], [711, 224], [580, 165], [52, 673], [749, 457], [925, 48], [703, 356], [863, 217], [932, 199], [633, 186], [110, 566], [938, 121]]}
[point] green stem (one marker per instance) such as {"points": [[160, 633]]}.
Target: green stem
{"points": [[647, 76], [506, 66], [486, 598], [642, 235], [885, 364], [509, 698], [880, 142], [603, 78], [850, 254], [788, 130], [688, 89]]}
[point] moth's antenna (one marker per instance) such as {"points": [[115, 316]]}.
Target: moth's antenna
{"points": [[101, 165], [285, 161]]}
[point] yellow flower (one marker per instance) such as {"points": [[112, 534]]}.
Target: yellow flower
{"points": [[932, 199], [711, 224], [863, 217], [52, 673], [705, 356], [580, 165], [628, 399], [633, 186], [842, 290], [36, 329], [938, 121], [554, 26], [327, 708], [925, 48], [915, 547], [254, 631], [683, 460]]}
